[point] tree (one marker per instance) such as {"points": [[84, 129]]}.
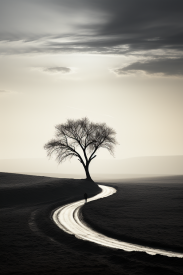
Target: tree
{"points": [[81, 138]]}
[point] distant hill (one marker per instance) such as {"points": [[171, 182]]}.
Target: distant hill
{"points": [[152, 165], [159, 165]]}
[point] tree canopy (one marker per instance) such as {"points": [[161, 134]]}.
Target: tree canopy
{"points": [[81, 138]]}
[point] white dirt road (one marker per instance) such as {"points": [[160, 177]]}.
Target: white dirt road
{"points": [[69, 219]]}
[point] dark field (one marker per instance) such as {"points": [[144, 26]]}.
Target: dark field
{"points": [[144, 211], [32, 244]]}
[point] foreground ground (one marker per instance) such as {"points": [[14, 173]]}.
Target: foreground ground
{"points": [[32, 244], [144, 211]]}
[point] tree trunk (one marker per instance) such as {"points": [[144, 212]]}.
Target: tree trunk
{"points": [[88, 177]]}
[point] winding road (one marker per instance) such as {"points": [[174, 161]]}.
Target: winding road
{"points": [[69, 219]]}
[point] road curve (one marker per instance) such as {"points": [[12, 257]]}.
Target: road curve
{"points": [[69, 219]]}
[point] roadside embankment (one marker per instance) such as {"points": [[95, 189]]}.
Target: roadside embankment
{"points": [[18, 189]]}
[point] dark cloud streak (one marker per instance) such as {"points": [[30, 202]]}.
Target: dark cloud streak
{"points": [[131, 22], [62, 70], [121, 27], [161, 66], [4, 91], [136, 23]]}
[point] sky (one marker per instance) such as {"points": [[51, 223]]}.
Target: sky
{"points": [[113, 61]]}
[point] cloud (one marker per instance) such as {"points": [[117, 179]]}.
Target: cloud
{"points": [[4, 91], [158, 66], [63, 70], [102, 26]]}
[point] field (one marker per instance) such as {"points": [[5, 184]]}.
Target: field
{"points": [[144, 211], [32, 244]]}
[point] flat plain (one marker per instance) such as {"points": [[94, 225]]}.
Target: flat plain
{"points": [[147, 211], [32, 244]]}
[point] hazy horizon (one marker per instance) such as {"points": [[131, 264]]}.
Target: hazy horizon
{"points": [[156, 165]]}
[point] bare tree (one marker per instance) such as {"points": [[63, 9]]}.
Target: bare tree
{"points": [[81, 138]]}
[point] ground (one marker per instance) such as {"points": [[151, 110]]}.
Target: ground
{"points": [[32, 244]]}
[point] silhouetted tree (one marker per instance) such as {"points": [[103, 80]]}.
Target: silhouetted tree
{"points": [[81, 138]]}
